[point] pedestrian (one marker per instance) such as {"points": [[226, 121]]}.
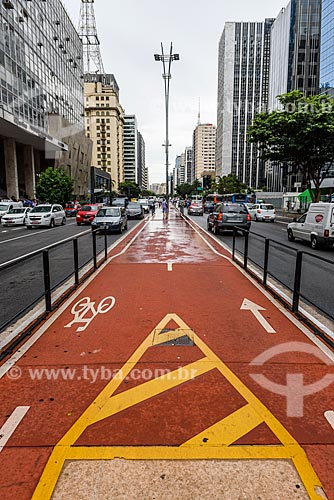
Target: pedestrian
{"points": [[152, 208], [181, 207], [164, 210]]}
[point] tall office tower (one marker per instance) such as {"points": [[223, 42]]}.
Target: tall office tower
{"points": [[142, 174], [104, 118], [243, 75], [294, 65], [327, 63], [41, 96], [204, 150], [188, 157], [130, 149], [295, 50], [176, 172]]}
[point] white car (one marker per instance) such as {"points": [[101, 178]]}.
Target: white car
{"points": [[263, 212], [7, 205], [16, 217], [316, 226], [46, 216]]}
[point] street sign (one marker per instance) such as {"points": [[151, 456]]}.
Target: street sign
{"points": [[199, 189]]}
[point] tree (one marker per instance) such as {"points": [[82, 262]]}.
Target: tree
{"points": [[54, 186], [184, 189], [130, 189], [230, 184], [300, 135], [147, 193]]}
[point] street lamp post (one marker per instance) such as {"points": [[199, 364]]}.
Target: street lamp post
{"points": [[167, 66]]}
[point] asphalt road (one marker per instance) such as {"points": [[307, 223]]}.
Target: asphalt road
{"points": [[317, 287], [23, 283]]}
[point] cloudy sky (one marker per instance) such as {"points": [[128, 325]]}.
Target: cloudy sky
{"points": [[131, 32]]}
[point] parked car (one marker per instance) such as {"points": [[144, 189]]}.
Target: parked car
{"points": [[195, 208], [46, 216], [111, 219], [263, 212], [72, 209], [7, 205], [134, 211], [209, 207], [87, 214], [226, 217], [316, 226], [16, 217], [145, 204]]}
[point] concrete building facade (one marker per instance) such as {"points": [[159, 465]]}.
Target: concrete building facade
{"points": [[204, 150], [40, 75], [104, 123], [243, 80], [130, 149], [141, 162]]}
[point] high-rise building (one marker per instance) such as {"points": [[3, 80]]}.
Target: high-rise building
{"points": [[326, 47], [130, 149], [141, 162], [105, 124], [41, 76], [295, 65], [188, 157], [204, 150], [295, 50], [243, 76]]}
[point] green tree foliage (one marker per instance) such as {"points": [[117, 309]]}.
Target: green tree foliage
{"points": [[130, 189], [146, 193], [54, 186], [230, 184], [300, 135], [184, 189]]}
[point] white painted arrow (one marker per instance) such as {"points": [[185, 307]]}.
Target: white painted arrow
{"points": [[248, 305], [10, 425], [329, 416]]}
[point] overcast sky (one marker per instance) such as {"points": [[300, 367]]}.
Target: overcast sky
{"points": [[131, 32]]}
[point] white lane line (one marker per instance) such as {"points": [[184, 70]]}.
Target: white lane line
{"points": [[28, 235], [329, 416], [170, 267], [25, 347], [11, 424]]}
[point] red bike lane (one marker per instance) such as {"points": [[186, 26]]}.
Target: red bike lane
{"points": [[166, 346]]}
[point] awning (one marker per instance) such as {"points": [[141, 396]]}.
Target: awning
{"points": [[306, 196]]}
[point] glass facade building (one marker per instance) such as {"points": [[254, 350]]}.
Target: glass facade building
{"points": [[40, 62], [327, 44], [243, 86]]}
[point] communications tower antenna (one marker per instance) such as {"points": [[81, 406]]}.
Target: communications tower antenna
{"points": [[88, 33]]}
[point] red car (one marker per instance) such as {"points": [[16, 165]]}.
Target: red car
{"points": [[87, 214]]}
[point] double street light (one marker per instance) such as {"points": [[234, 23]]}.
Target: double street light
{"points": [[167, 66]]}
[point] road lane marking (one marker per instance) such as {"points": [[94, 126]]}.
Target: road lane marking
{"points": [[329, 416], [224, 434], [11, 424], [170, 267], [255, 309], [28, 235]]}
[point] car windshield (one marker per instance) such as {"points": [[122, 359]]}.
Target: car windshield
{"points": [[235, 209], [267, 207], [71, 206], [109, 212], [88, 208], [134, 205], [45, 209], [16, 211], [118, 203]]}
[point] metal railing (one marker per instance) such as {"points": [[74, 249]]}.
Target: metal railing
{"points": [[297, 280], [68, 263]]}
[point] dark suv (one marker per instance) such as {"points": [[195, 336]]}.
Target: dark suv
{"points": [[226, 217]]}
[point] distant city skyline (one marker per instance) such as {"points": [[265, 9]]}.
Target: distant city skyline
{"points": [[128, 53]]}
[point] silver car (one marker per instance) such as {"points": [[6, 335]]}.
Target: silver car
{"points": [[110, 219]]}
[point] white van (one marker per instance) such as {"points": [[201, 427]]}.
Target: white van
{"points": [[316, 226], [7, 205]]}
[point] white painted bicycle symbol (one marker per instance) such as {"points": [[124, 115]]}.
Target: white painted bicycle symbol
{"points": [[84, 311]]}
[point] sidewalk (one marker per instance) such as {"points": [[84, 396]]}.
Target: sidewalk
{"points": [[170, 380]]}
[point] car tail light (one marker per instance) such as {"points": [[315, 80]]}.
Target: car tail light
{"points": [[258, 211], [326, 233], [220, 217], [248, 218]]}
